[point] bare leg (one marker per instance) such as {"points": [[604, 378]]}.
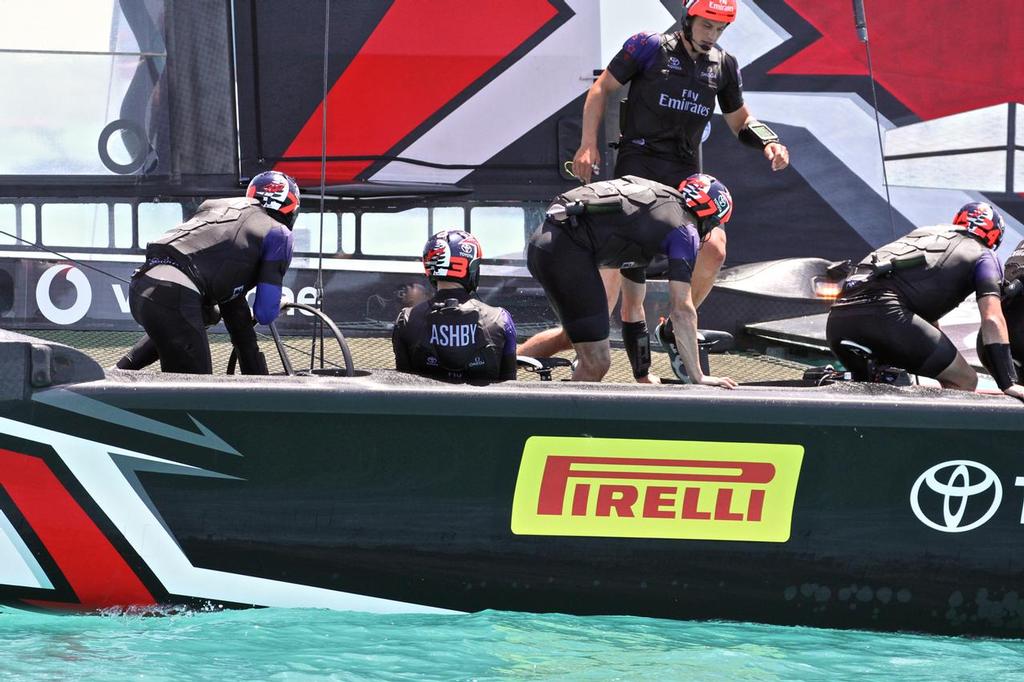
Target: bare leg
{"points": [[544, 344], [594, 359], [959, 375], [553, 341], [632, 301], [709, 262]]}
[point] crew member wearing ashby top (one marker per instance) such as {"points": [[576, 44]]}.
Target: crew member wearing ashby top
{"points": [[625, 223], [227, 248], [455, 336], [892, 303], [674, 80]]}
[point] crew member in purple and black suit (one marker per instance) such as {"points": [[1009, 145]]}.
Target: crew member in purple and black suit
{"points": [[892, 303], [674, 80], [625, 223], [227, 248], [455, 336]]}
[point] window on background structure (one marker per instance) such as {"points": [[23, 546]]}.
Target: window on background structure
{"points": [[28, 223], [122, 226], [155, 218], [9, 225], [501, 230], [395, 234], [448, 218], [78, 225], [306, 233]]}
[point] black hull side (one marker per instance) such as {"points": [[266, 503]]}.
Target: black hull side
{"points": [[403, 489]]}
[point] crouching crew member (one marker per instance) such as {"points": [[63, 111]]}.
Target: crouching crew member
{"points": [[892, 302], [227, 248], [454, 336], [144, 353], [624, 224]]}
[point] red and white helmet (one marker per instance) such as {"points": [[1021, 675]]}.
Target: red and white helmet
{"points": [[981, 220], [453, 256], [276, 192], [708, 200], [715, 10]]}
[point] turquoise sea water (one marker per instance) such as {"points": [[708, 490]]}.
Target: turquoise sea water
{"points": [[310, 644]]}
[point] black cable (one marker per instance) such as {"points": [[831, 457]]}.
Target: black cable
{"points": [[67, 258], [415, 162], [860, 21], [318, 325]]}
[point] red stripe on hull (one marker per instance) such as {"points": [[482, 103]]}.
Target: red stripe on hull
{"points": [[92, 566]]}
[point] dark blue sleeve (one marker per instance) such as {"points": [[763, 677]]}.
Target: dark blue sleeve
{"points": [[988, 275], [275, 257], [681, 245], [510, 333], [637, 55]]}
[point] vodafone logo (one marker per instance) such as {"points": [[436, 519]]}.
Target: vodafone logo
{"points": [[82, 301]]}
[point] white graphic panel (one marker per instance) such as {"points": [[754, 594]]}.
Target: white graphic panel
{"points": [[18, 567]]}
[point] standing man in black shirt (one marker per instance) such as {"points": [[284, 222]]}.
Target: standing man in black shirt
{"points": [[892, 303], [625, 223], [455, 336], [674, 80]]}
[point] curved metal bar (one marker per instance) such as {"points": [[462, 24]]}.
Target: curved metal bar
{"points": [[342, 343], [285, 362]]}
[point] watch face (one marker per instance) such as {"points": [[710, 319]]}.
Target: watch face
{"points": [[763, 132]]}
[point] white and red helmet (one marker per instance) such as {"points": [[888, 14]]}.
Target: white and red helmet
{"points": [[453, 256], [981, 220], [708, 200], [276, 192]]}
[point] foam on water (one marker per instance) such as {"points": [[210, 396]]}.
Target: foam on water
{"points": [[304, 644]]}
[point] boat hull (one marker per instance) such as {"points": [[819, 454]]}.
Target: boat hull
{"points": [[852, 507]]}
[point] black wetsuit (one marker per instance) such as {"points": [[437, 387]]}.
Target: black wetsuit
{"points": [[638, 221], [671, 99], [456, 337], [1013, 308], [226, 249], [935, 269]]}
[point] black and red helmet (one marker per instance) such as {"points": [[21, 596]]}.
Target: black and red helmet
{"points": [[278, 193], [983, 221], [453, 256], [708, 200]]}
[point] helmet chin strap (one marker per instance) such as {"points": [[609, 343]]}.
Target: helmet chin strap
{"points": [[687, 31]]}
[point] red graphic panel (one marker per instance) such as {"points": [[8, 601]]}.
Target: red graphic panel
{"points": [[937, 58], [92, 566], [420, 57]]}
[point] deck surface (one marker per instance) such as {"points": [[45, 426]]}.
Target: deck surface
{"points": [[375, 353]]}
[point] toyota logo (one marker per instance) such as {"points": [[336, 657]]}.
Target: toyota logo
{"points": [[954, 484]]}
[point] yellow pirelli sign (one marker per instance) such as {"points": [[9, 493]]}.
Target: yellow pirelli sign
{"points": [[676, 489]]}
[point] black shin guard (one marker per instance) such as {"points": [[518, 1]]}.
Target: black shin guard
{"points": [[638, 347], [997, 360]]}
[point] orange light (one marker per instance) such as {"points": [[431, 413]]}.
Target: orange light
{"points": [[826, 288]]}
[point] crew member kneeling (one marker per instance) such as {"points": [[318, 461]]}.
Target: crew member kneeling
{"points": [[227, 248], [624, 224], [894, 299], [455, 336]]}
